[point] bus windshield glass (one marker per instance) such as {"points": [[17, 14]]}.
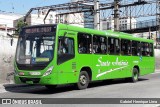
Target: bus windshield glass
{"points": [[35, 48]]}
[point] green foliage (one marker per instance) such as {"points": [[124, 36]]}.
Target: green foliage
{"points": [[19, 26]]}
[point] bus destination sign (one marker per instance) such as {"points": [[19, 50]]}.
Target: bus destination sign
{"points": [[38, 30]]}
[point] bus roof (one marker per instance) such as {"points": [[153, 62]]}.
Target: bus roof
{"points": [[81, 29], [107, 33], [127, 36]]}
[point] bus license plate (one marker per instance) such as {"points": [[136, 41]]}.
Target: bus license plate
{"points": [[35, 73], [29, 82]]}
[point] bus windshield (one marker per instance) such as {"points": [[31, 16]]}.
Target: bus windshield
{"points": [[36, 48]]}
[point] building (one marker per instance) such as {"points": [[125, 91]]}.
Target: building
{"points": [[124, 24], [72, 19], [107, 24], [53, 18], [38, 18], [4, 30], [83, 19], [127, 23], [7, 23]]}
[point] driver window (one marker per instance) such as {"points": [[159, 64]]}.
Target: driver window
{"points": [[66, 46], [65, 49]]}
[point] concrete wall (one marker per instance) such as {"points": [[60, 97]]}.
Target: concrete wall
{"points": [[7, 53], [157, 55]]}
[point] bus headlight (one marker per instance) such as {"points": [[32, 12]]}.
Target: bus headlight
{"points": [[49, 71]]}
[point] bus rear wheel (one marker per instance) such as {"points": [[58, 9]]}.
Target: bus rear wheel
{"points": [[50, 87], [135, 75], [83, 80]]}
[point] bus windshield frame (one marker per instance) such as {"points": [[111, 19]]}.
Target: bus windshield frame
{"points": [[36, 47]]}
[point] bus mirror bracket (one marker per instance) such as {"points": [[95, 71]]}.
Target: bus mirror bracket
{"points": [[65, 33], [63, 38]]}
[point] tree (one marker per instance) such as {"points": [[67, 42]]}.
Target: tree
{"points": [[19, 26]]}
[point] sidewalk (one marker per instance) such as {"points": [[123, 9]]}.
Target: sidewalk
{"points": [[3, 86], [10, 85], [157, 70]]}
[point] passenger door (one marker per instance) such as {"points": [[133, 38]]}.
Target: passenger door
{"points": [[66, 60]]}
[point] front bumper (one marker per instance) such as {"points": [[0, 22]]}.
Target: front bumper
{"points": [[42, 80]]}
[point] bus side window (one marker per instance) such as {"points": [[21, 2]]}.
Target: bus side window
{"points": [[99, 44], [117, 46], [126, 47], [84, 43], [139, 53], [66, 46], [151, 49], [145, 49], [123, 47], [135, 48], [142, 49], [113, 46]]}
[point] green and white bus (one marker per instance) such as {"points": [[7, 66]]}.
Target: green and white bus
{"points": [[57, 54]]}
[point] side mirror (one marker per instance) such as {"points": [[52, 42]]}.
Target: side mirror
{"points": [[11, 41]]}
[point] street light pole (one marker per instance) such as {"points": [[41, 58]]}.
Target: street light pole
{"points": [[116, 15], [96, 15]]}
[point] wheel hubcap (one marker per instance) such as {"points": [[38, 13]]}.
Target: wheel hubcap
{"points": [[83, 79]]}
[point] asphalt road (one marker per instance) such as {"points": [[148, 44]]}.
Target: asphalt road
{"points": [[147, 87]]}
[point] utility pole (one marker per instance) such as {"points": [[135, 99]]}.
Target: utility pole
{"points": [[130, 19], [96, 15], [149, 37], [116, 15]]}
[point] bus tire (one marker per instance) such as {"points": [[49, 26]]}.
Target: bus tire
{"points": [[83, 80], [50, 87], [135, 75]]}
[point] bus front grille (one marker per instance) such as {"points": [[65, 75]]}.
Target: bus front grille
{"points": [[34, 80]]}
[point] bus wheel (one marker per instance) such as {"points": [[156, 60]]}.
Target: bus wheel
{"points": [[135, 75], [83, 80], [50, 87]]}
